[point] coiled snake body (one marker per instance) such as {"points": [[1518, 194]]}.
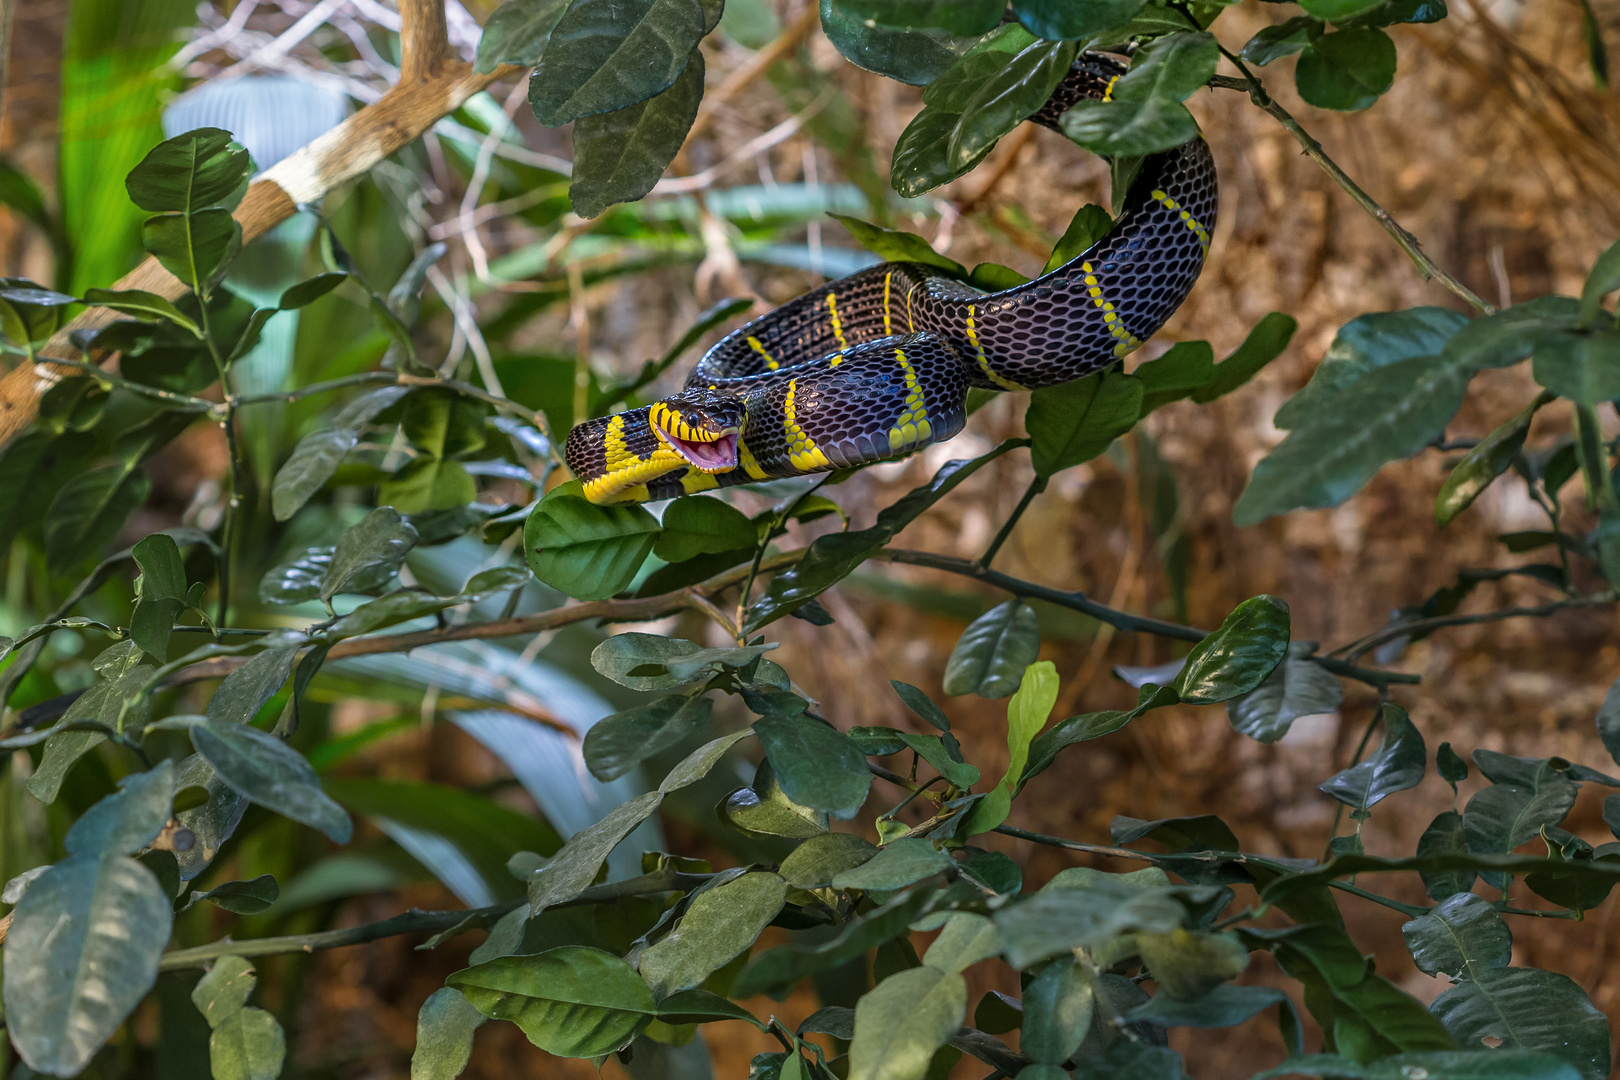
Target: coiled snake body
{"points": [[878, 364]]}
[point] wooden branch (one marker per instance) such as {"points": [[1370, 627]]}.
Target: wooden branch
{"points": [[351, 149], [423, 39]]}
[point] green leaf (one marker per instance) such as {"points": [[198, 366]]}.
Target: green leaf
{"points": [[1338, 11], [1027, 713], [921, 704], [895, 245], [265, 770], [29, 315], [243, 897], [1399, 764], [1296, 687], [1445, 836], [604, 55], [964, 17], [1008, 98], [1089, 225], [161, 594], [572, 1001], [1103, 906], [1284, 39], [83, 951], [1608, 720], [1145, 114], [247, 689], [379, 540], [697, 525], [1581, 367], [1189, 964], [1529, 1009], [1603, 280], [1075, 422], [1057, 1012], [1509, 336], [920, 164], [1503, 816], [1238, 657], [88, 512], [573, 868], [444, 1032], [1076, 729], [224, 989], [917, 57], [781, 967], [1069, 21], [1464, 936], [931, 748], [990, 658], [896, 865], [1224, 1006], [1492, 457], [653, 662], [1392, 412], [1373, 341], [1178, 374], [963, 941], [815, 763], [619, 155], [429, 483], [814, 863], [248, 1046], [587, 551], [193, 247], [128, 820], [616, 744], [1441, 1065], [312, 464], [719, 924], [1264, 344], [902, 1021], [701, 1007], [188, 172], [763, 807], [516, 33], [1346, 70], [831, 558]]}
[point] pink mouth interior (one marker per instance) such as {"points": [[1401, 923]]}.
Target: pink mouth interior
{"points": [[717, 456]]}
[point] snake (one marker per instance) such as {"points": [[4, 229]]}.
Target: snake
{"points": [[877, 365]]}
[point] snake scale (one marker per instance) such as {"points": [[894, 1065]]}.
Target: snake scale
{"points": [[877, 365]]}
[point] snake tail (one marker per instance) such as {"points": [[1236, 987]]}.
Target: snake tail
{"points": [[877, 365]]}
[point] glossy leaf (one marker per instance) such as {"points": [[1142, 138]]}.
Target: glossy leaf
{"points": [[814, 863], [815, 763], [1075, 422], [1027, 713], [1503, 816], [896, 245], [1283, 39], [1089, 225], [1070, 21], [517, 33], [618, 743], [379, 540], [1145, 114], [719, 924], [265, 770], [88, 512], [1006, 99], [990, 657], [129, 819], [1044, 749], [193, 247], [1529, 1009], [1264, 344], [920, 164], [1346, 70], [586, 551], [965, 17], [619, 155], [1058, 1006], [311, 465], [1178, 374], [1239, 656], [1490, 458], [902, 1021], [1463, 936], [896, 865], [917, 57], [1399, 764], [1481, 1064], [188, 172], [82, 952], [604, 55], [243, 897], [571, 1001], [763, 807], [1581, 367], [1296, 687]]}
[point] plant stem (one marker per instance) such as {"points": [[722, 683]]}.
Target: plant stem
{"points": [[179, 402], [418, 922], [1313, 149], [504, 404], [1036, 486], [1372, 641]]}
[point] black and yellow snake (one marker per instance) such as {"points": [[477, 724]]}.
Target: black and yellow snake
{"points": [[878, 364]]}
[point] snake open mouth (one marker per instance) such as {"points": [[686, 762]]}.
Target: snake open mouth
{"points": [[716, 455]]}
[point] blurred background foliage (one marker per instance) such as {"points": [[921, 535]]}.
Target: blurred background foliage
{"points": [[1495, 147]]}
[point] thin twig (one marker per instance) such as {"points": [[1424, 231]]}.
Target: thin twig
{"points": [[1313, 149], [1036, 486], [1390, 633]]}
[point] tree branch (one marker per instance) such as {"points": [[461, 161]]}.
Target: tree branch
{"points": [[1313, 149], [423, 39], [1390, 633]]}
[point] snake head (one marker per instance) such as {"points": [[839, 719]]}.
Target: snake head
{"points": [[702, 426]]}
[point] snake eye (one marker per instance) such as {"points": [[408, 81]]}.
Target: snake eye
{"points": [[708, 442]]}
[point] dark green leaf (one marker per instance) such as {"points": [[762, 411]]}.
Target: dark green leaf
{"points": [[1145, 114], [1503, 816], [990, 658], [763, 807], [931, 748], [719, 924], [920, 703], [1509, 336], [1189, 964], [1075, 422], [1529, 1009], [917, 57], [1373, 341], [1284, 39], [575, 866], [189, 172], [1007, 99], [1346, 70], [894, 245], [1264, 344], [587, 551], [964, 17], [1296, 687], [903, 1020], [814, 863], [312, 464], [1399, 764], [1453, 769], [1056, 920], [1057, 1012], [1224, 1006], [619, 155], [83, 950], [701, 1007], [146, 306], [1464, 936], [1445, 836], [1179, 373], [815, 763], [88, 512], [1603, 280], [1076, 729], [604, 55], [920, 164], [572, 1001], [896, 865], [1338, 11], [243, 897], [128, 820], [698, 525], [1608, 720], [380, 539], [1490, 458], [1089, 225], [265, 770], [1239, 656], [618, 743], [193, 247], [1070, 21], [516, 33], [246, 690], [1581, 367], [781, 967], [1481, 1064], [653, 662]]}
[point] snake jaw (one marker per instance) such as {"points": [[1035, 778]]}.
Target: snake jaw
{"points": [[715, 455]]}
